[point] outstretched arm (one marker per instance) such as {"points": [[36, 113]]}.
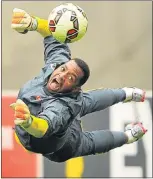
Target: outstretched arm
{"points": [[102, 141], [99, 99], [52, 120], [54, 51]]}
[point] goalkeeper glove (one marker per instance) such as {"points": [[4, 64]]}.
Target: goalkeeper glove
{"points": [[22, 22], [134, 94], [22, 113], [134, 131], [33, 125]]}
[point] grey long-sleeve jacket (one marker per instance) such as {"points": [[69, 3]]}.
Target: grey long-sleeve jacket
{"points": [[60, 110]]}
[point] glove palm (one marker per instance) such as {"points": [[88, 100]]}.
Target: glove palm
{"points": [[22, 22], [21, 113]]}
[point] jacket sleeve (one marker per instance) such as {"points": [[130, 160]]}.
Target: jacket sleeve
{"points": [[55, 52], [96, 100], [58, 118]]}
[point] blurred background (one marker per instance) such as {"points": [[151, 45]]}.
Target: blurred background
{"points": [[118, 49]]}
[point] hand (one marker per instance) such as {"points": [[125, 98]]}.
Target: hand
{"points": [[134, 94], [22, 22], [22, 113], [134, 132]]}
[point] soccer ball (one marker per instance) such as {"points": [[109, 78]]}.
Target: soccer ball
{"points": [[68, 23]]}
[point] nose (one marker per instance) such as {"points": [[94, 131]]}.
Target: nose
{"points": [[63, 75]]}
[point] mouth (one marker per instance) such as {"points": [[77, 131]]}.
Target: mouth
{"points": [[55, 84]]}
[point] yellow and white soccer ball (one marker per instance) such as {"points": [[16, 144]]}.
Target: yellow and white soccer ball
{"points": [[68, 23]]}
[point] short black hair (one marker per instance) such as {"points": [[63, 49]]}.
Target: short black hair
{"points": [[85, 68]]}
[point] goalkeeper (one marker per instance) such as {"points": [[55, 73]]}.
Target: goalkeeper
{"points": [[49, 107]]}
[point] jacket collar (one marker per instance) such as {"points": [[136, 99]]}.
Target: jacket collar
{"points": [[56, 94]]}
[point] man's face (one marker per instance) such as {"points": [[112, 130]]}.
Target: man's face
{"points": [[65, 78]]}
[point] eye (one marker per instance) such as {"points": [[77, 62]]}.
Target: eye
{"points": [[62, 69], [70, 78]]}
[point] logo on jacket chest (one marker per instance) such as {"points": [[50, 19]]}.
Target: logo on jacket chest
{"points": [[38, 97]]}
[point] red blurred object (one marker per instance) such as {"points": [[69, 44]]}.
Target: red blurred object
{"points": [[16, 162]]}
